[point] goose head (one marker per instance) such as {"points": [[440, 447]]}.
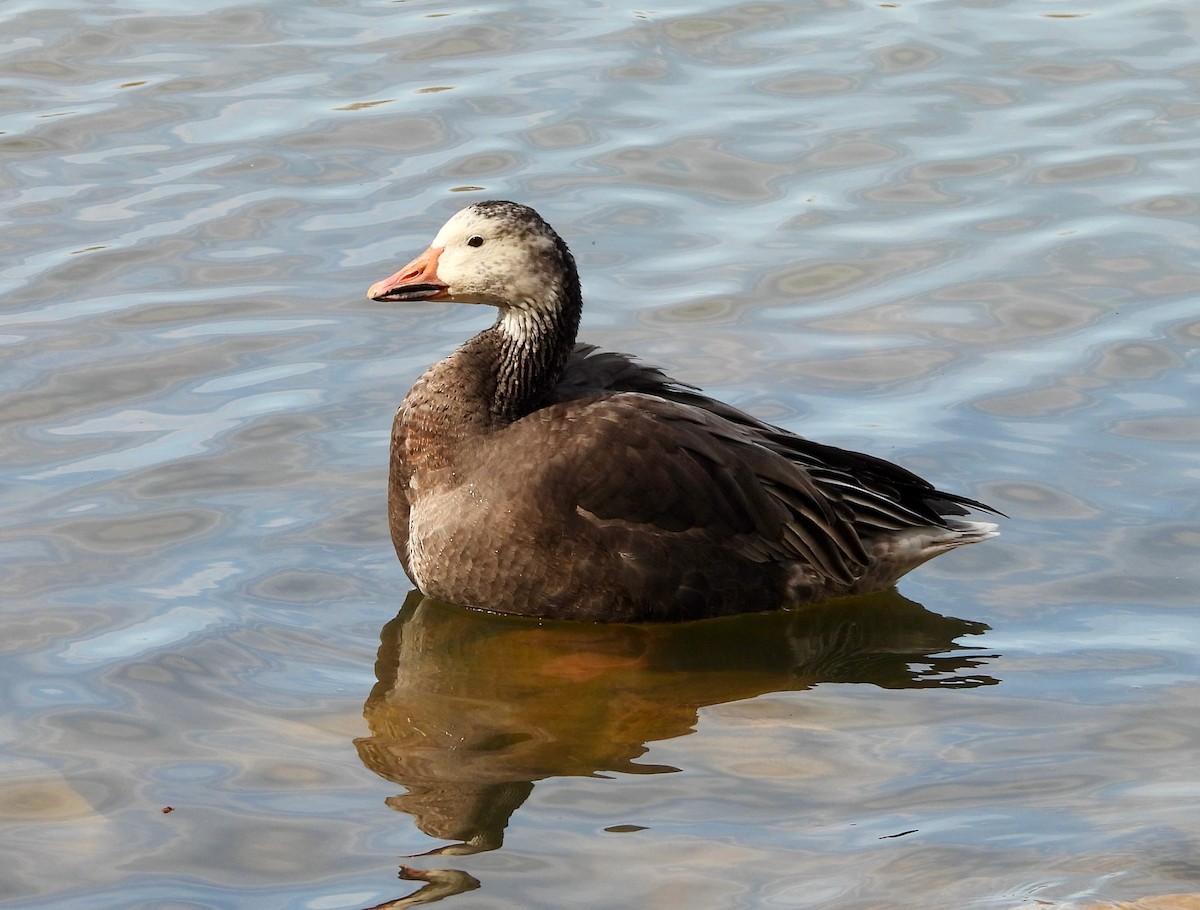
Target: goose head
{"points": [[497, 253]]}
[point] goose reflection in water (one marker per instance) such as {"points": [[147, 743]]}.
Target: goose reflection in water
{"points": [[469, 712]]}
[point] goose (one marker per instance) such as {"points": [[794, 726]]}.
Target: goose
{"points": [[532, 475]]}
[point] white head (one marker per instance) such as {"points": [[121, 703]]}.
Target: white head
{"points": [[499, 253]]}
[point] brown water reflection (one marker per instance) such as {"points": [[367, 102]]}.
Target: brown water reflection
{"points": [[470, 708]]}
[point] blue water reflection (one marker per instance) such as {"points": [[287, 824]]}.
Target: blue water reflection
{"points": [[961, 237]]}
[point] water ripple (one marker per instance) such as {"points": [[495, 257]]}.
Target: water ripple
{"points": [[959, 236]]}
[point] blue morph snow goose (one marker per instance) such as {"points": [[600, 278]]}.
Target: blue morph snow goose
{"points": [[533, 475]]}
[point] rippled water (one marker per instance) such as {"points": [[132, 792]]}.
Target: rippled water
{"points": [[959, 235]]}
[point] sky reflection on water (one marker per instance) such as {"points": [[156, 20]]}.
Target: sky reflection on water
{"points": [[958, 236]]}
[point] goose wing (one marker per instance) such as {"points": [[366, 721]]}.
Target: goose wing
{"points": [[879, 496], [639, 461]]}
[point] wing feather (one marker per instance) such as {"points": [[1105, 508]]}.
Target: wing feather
{"points": [[673, 469], [880, 496]]}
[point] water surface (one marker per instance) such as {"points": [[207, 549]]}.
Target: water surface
{"points": [[958, 235]]}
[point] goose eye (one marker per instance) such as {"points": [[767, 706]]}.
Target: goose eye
{"points": [[474, 240]]}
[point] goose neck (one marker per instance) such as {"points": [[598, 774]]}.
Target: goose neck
{"points": [[531, 345]]}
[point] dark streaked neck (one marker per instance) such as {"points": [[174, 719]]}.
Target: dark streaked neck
{"points": [[497, 377], [531, 345]]}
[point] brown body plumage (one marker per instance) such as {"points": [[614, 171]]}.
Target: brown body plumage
{"points": [[535, 476]]}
